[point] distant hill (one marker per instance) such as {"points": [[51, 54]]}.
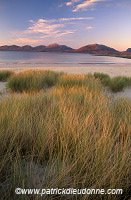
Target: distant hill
{"points": [[39, 48], [16, 48], [96, 49], [9, 48], [26, 48], [57, 47], [128, 50]]}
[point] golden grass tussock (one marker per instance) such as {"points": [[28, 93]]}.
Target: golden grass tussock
{"points": [[32, 81]]}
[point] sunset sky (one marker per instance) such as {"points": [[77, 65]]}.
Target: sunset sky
{"points": [[71, 22]]}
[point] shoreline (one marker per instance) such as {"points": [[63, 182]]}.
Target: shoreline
{"points": [[110, 69]]}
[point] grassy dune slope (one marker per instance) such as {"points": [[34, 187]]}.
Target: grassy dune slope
{"points": [[70, 136]]}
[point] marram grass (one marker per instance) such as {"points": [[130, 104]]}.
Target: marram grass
{"points": [[72, 136], [33, 81]]}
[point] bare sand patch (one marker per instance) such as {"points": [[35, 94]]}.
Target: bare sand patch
{"points": [[2, 86], [110, 69], [125, 93], [3, 90]]}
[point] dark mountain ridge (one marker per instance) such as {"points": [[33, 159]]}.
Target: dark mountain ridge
{"points": [[97, 49], [53, 47]]}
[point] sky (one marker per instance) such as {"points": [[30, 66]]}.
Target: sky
{"points": [[74, 23]]}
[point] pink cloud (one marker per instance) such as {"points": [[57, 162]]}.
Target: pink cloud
{"points": [[83, 5]]}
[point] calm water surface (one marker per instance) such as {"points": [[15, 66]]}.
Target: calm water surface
{"points": [[56, 58]]}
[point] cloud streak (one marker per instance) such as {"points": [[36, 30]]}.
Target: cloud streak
{"points": [[89, 27], [76, 18], [70, 3], [83, 5]]}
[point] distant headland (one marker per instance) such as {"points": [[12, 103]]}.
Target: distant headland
{"points": [[97, 49]]}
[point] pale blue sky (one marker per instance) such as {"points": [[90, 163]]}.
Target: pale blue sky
{"points": [[71, 22]]}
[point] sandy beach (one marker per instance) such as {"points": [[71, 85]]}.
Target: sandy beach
{"points": [[2, 86], [110, 69]]}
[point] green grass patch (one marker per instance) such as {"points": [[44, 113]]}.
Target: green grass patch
{"points": [[116, 84], [32, 81], [4, 75], [100, 76]]}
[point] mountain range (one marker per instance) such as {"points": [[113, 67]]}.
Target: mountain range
{"points": [[90, 49], [51, 48]]}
